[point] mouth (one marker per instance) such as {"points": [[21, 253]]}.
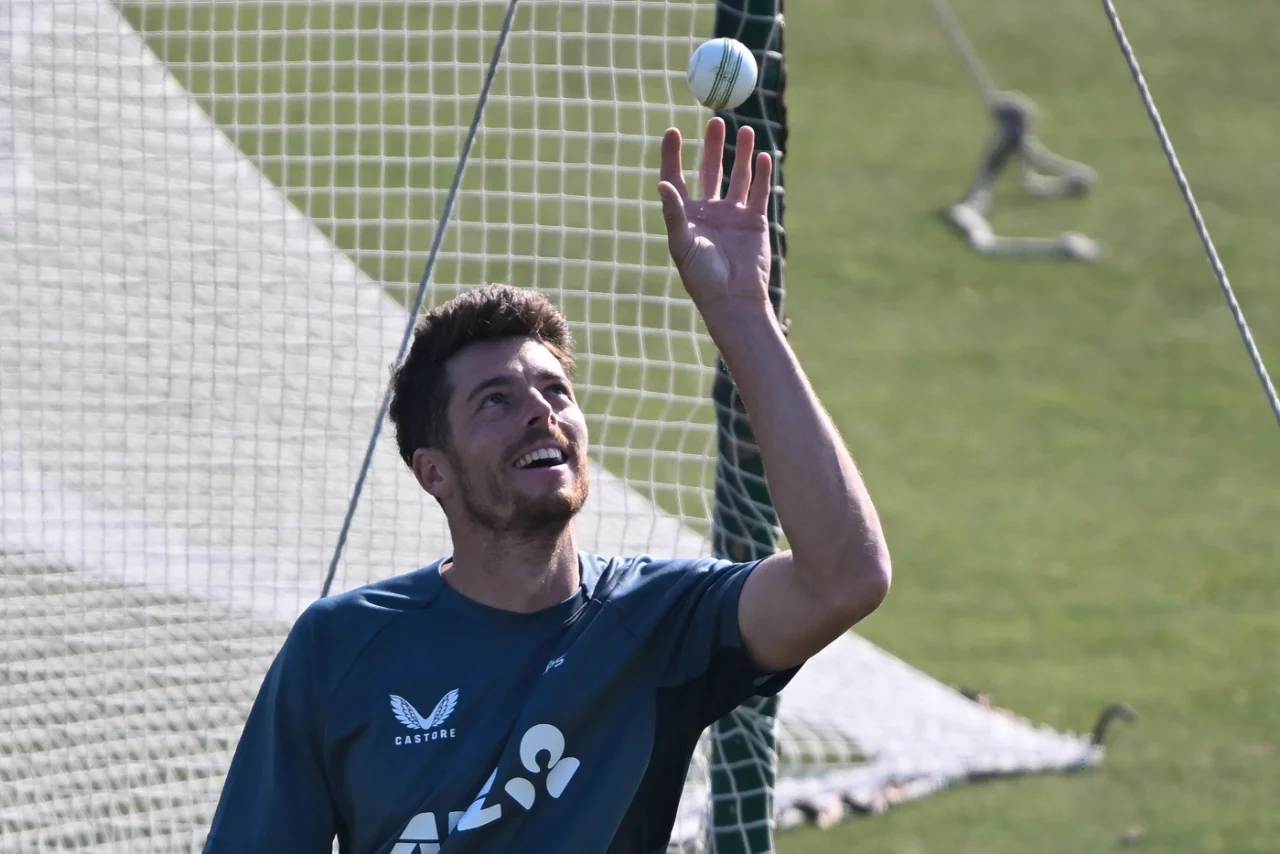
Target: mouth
{"points": [[542, 458]]}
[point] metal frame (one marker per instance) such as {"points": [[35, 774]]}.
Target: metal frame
{"points": [[1043, 173]]}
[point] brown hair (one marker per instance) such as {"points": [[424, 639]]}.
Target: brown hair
{"points": [[420, 385]]}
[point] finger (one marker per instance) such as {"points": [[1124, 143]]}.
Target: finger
{"points": [[671, 170], [674, 215], [713, 159], [740, 179], [761, 184], [679, 241]]}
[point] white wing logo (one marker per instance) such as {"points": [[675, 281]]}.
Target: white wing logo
{"points": [[406, 714]]}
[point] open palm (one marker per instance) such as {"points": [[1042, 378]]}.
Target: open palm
{"points": [[719, 246]]}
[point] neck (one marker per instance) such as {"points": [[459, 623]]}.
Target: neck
{"points": [[513, 573]]}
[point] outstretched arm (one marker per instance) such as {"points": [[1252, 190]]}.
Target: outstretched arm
{"points": [[838, 568]]}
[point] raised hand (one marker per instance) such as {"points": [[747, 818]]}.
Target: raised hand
{"points": [[719, 246]]}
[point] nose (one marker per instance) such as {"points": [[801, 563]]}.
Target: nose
{"points": [[539, 409]]}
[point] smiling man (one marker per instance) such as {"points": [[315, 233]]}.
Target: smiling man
{"points": [[521, 695]]}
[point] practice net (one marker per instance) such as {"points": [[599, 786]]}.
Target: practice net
{"points": [[212, 216]]}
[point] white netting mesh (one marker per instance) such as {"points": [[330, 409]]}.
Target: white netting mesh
{"points": [[189, 370]]}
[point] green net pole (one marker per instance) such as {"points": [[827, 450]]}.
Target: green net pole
{"points": [[743, 755]]}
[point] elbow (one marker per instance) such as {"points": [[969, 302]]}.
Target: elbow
{"points": [[883, 581], [869, 581], [855, 588]]}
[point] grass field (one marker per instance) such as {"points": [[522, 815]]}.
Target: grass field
{"points": [[1075, 466]]}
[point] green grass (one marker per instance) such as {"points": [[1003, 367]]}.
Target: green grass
{"points": [[1075, 466]]}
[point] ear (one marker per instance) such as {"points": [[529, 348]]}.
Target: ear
{"points": [[435, 475]]}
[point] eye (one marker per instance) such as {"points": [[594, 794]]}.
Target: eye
{"points": [[560, 388], [490, 400]]}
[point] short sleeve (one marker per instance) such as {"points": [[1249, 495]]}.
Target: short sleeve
{"points": [[276, 797], [707, 646]]}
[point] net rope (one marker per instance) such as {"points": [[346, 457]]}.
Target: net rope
{"points": [[421, 294], [1184, 185]]}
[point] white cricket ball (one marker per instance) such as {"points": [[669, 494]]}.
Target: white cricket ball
{"points": [[722, 73]]}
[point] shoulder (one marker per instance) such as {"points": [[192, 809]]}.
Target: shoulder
{"points": [[644, 581], [410, 591], [344, 621]]}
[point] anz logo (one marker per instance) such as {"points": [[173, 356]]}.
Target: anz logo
{"points": [[541, 753]]}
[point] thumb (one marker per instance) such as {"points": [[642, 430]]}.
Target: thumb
{"points": [[678, 239], [672, 208]]}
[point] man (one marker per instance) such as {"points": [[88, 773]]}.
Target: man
{"points": [[520, 695]]}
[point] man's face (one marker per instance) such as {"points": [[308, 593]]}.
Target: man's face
{"points": [[517, 454]]}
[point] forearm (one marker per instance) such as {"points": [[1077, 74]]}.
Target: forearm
{"points": [[821, 501]]}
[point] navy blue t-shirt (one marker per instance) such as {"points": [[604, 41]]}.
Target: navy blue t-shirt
{"points": [[405, 718]]}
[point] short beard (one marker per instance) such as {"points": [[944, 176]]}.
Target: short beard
{"points": [[542, 519]]}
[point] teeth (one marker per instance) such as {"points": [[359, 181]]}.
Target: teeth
{"points": [[544, 454]]}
